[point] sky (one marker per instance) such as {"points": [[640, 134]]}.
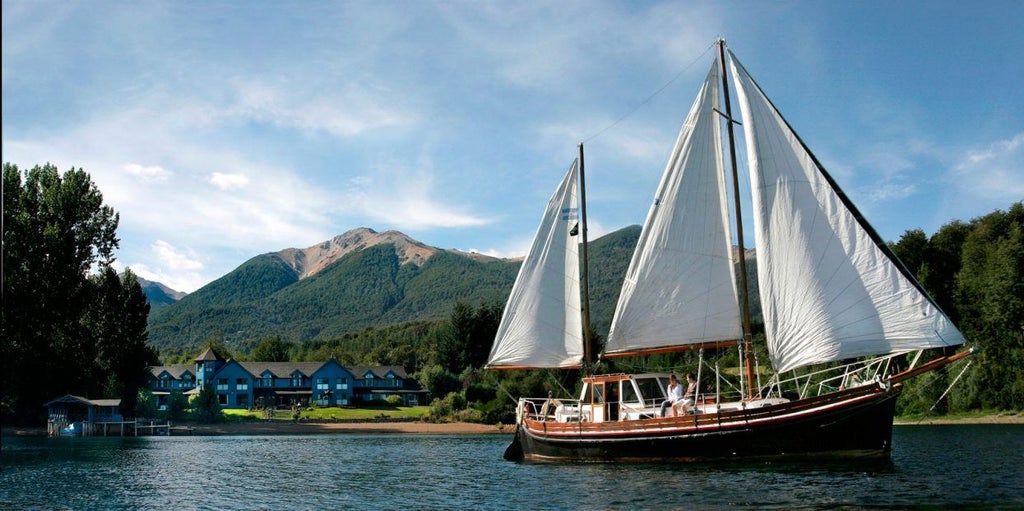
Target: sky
{"points": [[223, 130]]}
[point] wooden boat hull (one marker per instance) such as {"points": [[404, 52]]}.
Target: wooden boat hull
{"points": [[850, 423]]}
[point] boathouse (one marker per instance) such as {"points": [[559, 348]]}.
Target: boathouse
{"points": [[92, 416]]}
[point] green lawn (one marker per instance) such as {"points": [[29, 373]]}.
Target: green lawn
{"points": [[393, 412]]}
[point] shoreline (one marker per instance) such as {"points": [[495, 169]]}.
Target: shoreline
{"points": [[278, 427]]}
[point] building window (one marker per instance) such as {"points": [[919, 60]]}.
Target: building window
{"points": [[322, 384], [187, 382], [222, 384], [165, 382], [268, 381], [243, 400], [241, 384], [222, 399], [342, 384], [297, 381]]}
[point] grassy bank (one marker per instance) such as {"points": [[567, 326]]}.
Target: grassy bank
{"points": [[332, 413], [974, 417]]}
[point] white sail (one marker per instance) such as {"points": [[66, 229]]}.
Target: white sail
{"points": [[542, 324], [680, 287], [829, 291]]}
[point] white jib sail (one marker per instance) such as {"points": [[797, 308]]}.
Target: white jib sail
{"points": [[680, 286], [828, 292], [542, 324]]}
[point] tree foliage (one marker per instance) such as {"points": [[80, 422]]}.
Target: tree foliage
{"points": [[271, 349], [975, 272], [62, 331]]}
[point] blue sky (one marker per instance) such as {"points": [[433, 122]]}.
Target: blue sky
{"points": [[222, 130]]}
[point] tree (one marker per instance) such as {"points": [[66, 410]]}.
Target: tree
{"points": [[454, 342], [912, 249], [55, 228], [271, 349], [116, 320], [206, 405]]}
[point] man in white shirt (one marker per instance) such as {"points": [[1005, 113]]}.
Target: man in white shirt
{"points": [[675, 394]]}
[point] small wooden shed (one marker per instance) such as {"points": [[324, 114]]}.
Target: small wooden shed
{"points": [[96, 416]]}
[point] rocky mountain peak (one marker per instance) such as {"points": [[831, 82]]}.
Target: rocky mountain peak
{"points": [[310, 260]]}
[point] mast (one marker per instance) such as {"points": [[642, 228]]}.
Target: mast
{"points": [[748, 348], [588, 348]]}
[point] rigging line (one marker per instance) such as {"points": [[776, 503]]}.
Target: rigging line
{"points": [[951, 385], [651, 97], [507, 393], [567, 393]]}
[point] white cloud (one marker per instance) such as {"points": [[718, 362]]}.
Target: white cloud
{"points": [[995, 172], [351, 111], [175, 259], [408, 199], [228, 181], [153, 173]]}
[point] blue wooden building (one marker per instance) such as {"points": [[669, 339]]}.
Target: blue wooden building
{"points": [[283, 384]]}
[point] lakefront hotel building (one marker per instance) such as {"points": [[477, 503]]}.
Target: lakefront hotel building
{"points": [[276, 384]]}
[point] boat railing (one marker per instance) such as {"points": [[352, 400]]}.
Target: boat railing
{"points": [[831, 379], [554, 410]]}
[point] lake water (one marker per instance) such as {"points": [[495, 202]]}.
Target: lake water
{"points": [[964, 466]]}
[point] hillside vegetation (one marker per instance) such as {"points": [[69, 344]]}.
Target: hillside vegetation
{"points": [[365, 288]]}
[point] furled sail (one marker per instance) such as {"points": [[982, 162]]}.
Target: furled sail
{"points": [[542, 325], [830, 289], [680, 286]]}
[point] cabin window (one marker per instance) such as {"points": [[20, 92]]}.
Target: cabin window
{"points": [[241, 384], [598, 393], [651, 390], [222, 384], [629, 393]]}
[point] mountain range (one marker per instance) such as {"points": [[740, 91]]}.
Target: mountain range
{"points": [[158, 294], [353, 281], [364, 279]]}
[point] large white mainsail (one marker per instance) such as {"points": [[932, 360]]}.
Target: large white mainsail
{"points": [[680, 287], [542, 324], [829, 291]]}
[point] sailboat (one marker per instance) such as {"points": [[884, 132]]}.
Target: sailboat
{"points": [[842, 315]]}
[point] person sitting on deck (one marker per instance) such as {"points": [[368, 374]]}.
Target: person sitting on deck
{"points": [[687, 397], [675, 394]]}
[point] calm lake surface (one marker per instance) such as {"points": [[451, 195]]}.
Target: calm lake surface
{"points": [[964, 466]]}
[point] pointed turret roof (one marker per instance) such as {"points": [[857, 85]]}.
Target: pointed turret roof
{"points": [[208, 355]]}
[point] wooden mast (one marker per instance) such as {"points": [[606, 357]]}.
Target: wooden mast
{"points": [[748, 348], [588, 348]]}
